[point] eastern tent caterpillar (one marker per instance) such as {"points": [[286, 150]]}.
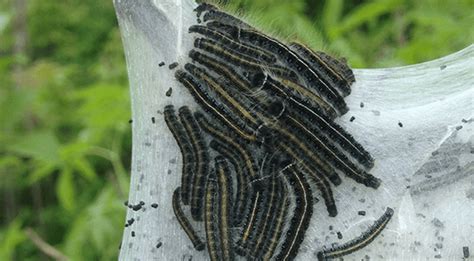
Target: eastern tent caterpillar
{"points": [[294, 62], [326, 70], [222, 136], [266, 199], [299, 94], [240, 59], [249, 117], [210, 219], [230, 43], [249, 222], [335, 133], [331, 154], [201, 168], [179, 133], [224, 195], [276, 230], [302, 213], [209, 104], [273, 200], [360, 242], [243, 190], [222, 69], [264, 98], [324, 187], [211, 13], [184, 222]]}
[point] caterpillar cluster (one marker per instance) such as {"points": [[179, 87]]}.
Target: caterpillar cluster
{"points": [[263, 140]]}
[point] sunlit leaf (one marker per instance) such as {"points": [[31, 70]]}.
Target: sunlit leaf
{"points": [[10, 238], [84, 168], [65, 190], [331, 14], [73, 156], [103, 107]]}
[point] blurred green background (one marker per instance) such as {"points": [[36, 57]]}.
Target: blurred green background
{"points": [[65, 140]]}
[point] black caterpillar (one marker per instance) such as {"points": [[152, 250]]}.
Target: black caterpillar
{"points": [[264, 139]]}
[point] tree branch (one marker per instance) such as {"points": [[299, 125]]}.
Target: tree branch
{"points": [[43, 246]]}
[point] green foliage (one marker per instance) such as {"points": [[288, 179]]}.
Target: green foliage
{"points": [[75, 33], [10, 237], [64, 117], [368, 33], [96, 228], [64, 102]]}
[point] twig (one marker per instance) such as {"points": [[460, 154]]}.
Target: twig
{"points": [[43, 246]]}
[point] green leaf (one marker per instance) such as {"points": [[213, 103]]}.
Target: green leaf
{"points": [[42, 170], [363, 14], [8, 162], [5, 61], [103, 108], [84, 168], [95, 227], [331, 14], [77, 238], [13, 103], [74, 157], [40, 145], [10, 239], [65, 190]]}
